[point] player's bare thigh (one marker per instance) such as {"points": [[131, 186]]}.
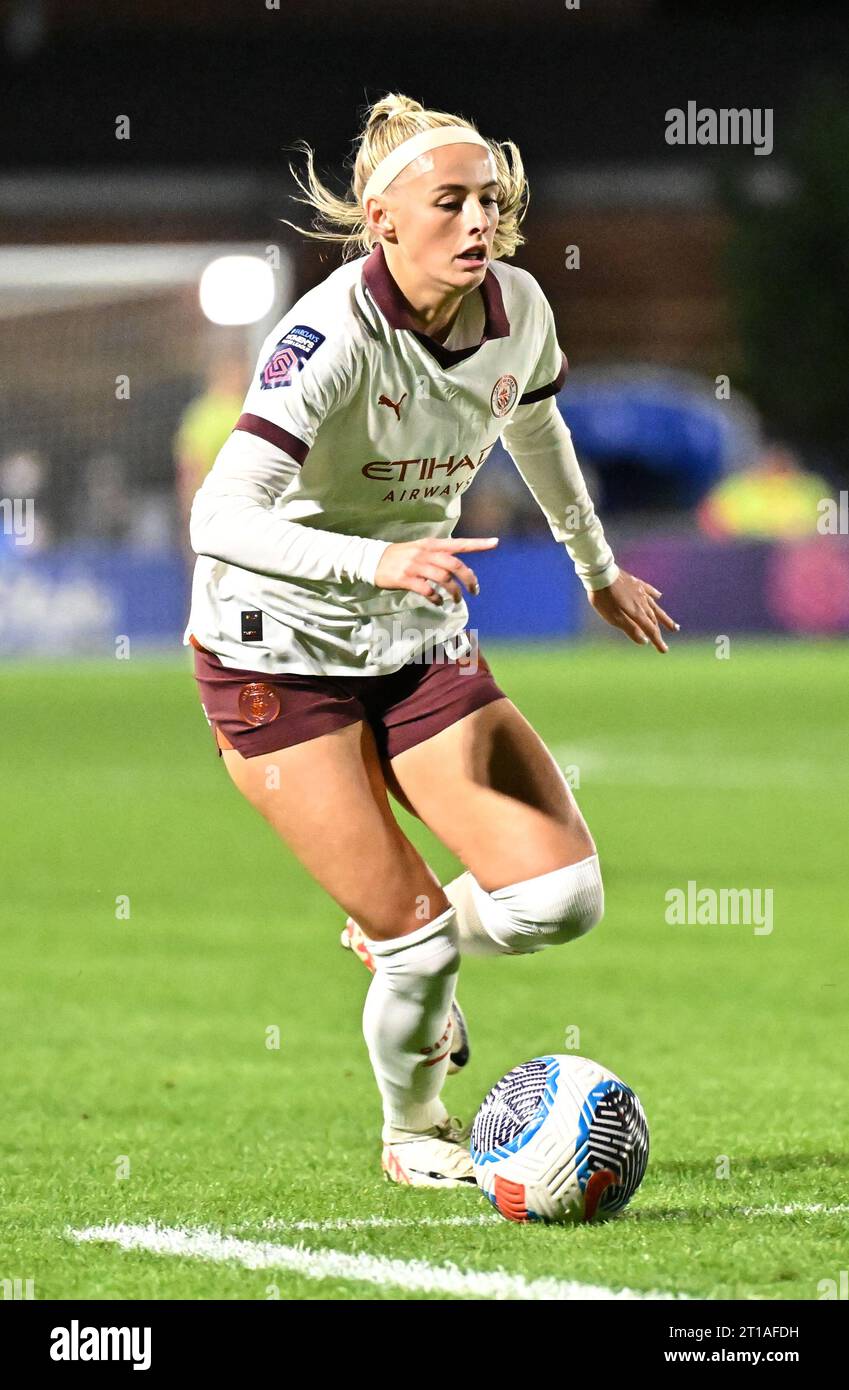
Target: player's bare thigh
{"points": [[491, 791], [326, 799]]}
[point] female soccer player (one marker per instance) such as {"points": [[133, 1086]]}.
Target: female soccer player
{"points": [[332, 654]]}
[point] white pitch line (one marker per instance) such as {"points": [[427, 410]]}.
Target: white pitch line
{"points": [[723, 1213], [794, 1209], [364, 1223], [413, 1276]]}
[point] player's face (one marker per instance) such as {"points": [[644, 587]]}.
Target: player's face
{"points": [[442, 206]]}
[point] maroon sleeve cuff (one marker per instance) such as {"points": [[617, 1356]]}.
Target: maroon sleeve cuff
{"points": [[551, 389], [273, 434]]}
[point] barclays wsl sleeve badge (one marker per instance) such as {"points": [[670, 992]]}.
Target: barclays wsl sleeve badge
{"points": [[504, 394], [289, 356]]}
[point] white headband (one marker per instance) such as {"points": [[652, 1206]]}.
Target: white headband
{"points": [[410, 149]]}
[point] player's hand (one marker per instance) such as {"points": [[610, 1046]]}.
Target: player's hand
{"points": [[419, 565], [631, 604]]}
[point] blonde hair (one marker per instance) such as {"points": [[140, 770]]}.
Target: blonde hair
{"points": [[390, 121]]}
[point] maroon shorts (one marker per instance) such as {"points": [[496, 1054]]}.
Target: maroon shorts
{"points": [[258, 713]]}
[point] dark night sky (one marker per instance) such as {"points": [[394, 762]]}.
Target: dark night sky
{"points": [[566, 92]]}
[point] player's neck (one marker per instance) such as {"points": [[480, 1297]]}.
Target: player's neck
{"points": [[433, 310]]}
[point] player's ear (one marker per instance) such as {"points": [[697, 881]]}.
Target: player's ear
{"points": [[379, 219]]}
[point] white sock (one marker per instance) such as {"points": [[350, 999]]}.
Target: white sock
{"points": [[406, 1022], [475, 940], [522, 918]]}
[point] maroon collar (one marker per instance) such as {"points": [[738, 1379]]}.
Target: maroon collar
{"points": [[387, 295]]}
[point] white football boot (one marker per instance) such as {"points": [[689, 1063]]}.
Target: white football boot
{"points": [[353, 939], [436, 1158]]}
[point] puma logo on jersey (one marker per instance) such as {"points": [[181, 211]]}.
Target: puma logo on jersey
{"points": [[396, 405]]}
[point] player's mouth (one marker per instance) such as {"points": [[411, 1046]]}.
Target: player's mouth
{"points": [[474, 257]]}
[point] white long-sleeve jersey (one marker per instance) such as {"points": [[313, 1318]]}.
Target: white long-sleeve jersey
{"points": [[359, 431]]}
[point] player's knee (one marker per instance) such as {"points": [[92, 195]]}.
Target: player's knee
{"points": [[583, 906], [549, 910]]}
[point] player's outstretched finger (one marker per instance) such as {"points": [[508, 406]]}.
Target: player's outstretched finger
{"points": [[458, 546], [651, 630], [632, 630], [665, 618]]}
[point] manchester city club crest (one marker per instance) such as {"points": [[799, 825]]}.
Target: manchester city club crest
{"points": [[504, 394], [258, 703]]}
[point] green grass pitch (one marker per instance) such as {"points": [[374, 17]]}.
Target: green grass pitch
{"points": [[137, 1085]]}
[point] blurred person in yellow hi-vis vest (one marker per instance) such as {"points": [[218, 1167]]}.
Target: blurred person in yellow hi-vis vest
{"points": [[204, 425], [773, 498]]}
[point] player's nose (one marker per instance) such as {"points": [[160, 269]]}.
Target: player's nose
{"points": [[476, 219]]}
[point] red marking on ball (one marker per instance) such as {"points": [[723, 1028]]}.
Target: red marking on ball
{"points": [[510, 1199], [596, 1187]]}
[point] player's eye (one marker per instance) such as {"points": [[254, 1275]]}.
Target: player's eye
{"points": [[459, 205]]}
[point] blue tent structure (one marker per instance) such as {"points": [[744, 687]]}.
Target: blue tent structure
{"points": [[668, 423]]}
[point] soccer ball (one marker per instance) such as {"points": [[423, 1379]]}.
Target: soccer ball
{"points": [[559, 1139]]}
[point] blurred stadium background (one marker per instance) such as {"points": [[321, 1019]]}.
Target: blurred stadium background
{"points": [[700, 292]]}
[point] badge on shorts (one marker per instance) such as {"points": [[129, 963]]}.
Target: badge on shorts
{"points": [[504, 394], [258, 703]]}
